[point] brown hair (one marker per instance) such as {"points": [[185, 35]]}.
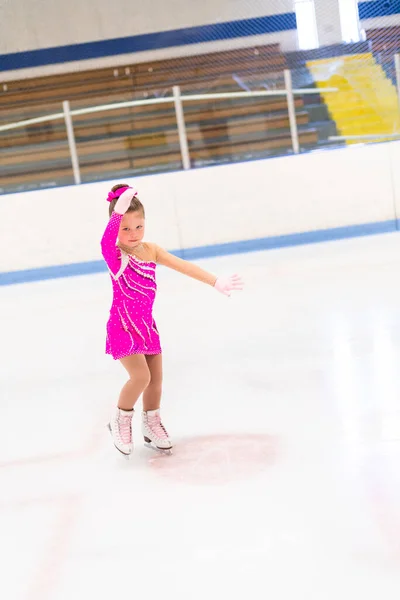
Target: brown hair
{"points": [[135, 205]]}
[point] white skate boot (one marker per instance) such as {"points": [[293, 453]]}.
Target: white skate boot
{"points": [[154, 432], [120, 427]]}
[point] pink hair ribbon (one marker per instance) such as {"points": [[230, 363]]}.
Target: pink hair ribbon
{"points": [[114, 195]]}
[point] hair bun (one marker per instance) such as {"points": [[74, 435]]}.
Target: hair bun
{"points": [[114, 195]]}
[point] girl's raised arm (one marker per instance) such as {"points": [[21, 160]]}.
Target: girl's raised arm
{"points": [[108, 243], [109, 249]]}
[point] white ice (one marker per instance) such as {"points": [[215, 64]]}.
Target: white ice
{"points": [[283, 404]]}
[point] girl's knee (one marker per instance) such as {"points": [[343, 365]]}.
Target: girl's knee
{"points": [[142, 377]]}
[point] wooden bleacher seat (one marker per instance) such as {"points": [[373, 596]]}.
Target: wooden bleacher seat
{"points": [[384, 39], [138, 119], [30, 173], [144, 76], [128, 140]]}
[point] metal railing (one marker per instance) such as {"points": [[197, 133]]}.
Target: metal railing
{"points": [[364, 136], [177, 99]]}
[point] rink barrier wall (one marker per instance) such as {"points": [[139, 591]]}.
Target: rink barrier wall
{"points": [[199, 213], [284, 241]]}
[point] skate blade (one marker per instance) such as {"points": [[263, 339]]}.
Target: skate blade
{"points": [[126, 456], [166, 451]]}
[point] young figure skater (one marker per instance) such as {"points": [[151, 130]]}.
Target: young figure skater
{"points": [[132, 335]]}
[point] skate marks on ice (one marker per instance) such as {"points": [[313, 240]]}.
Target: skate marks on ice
{"points": [[378, 476], [217, 459]]}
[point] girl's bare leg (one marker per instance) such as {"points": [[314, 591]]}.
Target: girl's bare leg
{"points": [[139, 379], [152, 393], [153, 430]]}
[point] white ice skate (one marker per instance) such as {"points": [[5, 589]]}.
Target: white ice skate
{"points": [[120, 427], [154, 432]]}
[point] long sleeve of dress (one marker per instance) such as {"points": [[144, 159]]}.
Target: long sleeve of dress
{"points": [[109, 249], [183, 266]]}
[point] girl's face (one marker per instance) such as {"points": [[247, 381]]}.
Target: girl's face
{"points": [[131, 230]]}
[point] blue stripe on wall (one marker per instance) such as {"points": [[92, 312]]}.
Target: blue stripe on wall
{"points": [[149, 41], [268, 243], [378, 8]]}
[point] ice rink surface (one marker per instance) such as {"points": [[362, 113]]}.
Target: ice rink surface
{"points": [[282, 402]]}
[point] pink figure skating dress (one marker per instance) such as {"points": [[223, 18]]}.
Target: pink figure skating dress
{"points": [[131, 328]]}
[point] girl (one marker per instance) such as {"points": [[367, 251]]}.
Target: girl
{"points": [[132, 335]]}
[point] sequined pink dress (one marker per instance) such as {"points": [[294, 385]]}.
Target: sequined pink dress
{"points": [[131, 328]]}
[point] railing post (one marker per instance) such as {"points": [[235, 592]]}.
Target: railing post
{"points": [[180, 119], [397, 68], [291, 111], [71, 142]]}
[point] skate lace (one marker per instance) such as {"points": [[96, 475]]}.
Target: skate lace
{"points": [[157, 427], [125, 428]]}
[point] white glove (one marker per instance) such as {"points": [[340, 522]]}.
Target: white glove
{"points": [[124, 201], [225, 285]]}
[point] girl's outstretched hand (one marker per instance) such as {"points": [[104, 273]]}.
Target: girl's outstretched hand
{"points": [[124, 201], [225, 285]]}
